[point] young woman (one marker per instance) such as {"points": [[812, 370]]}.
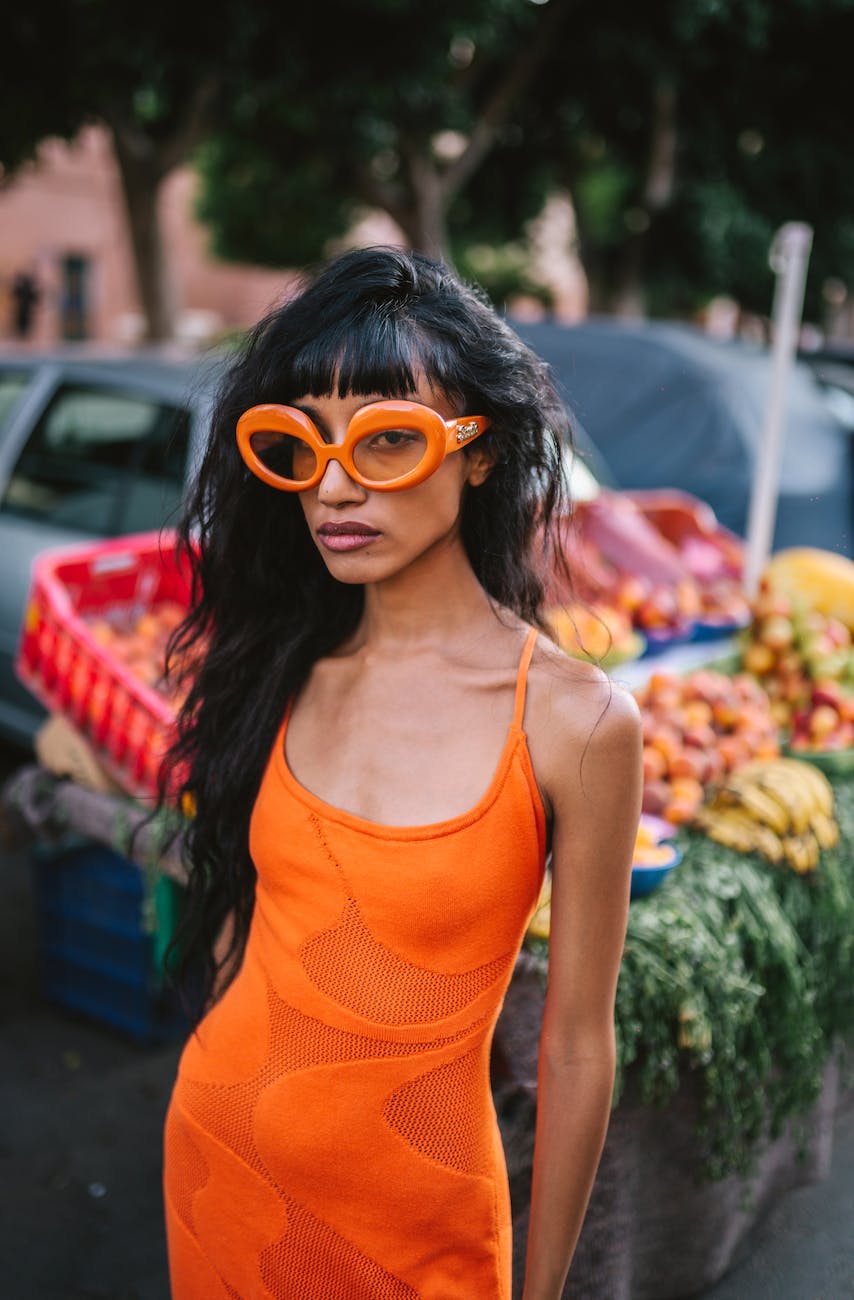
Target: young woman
{"points": [[383, 746]]}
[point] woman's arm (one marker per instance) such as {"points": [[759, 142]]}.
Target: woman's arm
{"points": [[595, 809]]}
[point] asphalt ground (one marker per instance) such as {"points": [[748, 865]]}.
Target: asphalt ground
{"points": [[80, 1156]]}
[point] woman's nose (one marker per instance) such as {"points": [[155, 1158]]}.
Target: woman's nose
{"points": [[337, 487]]}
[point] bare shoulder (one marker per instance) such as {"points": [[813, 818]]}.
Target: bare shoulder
{"points": [[579, 723], [570, 700]]}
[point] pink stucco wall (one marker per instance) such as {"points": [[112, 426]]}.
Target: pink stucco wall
{"points": [[69, 203]]}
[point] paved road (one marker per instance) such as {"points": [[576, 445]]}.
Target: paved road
{"points": [[80, 1145], [80, 1158], [804, 1250]]}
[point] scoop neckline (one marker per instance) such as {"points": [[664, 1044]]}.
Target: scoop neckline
{"points": [[424, 830]]}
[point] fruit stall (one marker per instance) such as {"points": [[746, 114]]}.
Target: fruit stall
{"points": [[735, 1001], [735, 1004]]}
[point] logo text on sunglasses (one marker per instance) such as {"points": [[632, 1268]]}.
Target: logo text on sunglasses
{"points": [[466, 431]]}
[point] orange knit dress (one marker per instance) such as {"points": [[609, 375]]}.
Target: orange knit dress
{"points": [[331, 1134]]}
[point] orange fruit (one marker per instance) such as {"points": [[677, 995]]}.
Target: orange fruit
{"points": [[654, 855], [687, 789], [688, 764], [679, 811], [654, 764]]}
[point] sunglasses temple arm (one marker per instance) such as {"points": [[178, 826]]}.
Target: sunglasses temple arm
{"points": [[462, 431]]}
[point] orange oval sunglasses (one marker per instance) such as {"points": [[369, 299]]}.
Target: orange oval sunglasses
{"points": [[388, 445]]}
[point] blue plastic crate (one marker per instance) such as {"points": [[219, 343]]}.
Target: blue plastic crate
{"points": [[118, 949], [97, 956]]}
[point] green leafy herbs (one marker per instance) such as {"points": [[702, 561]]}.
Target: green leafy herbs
{"points": [[741, 976]]}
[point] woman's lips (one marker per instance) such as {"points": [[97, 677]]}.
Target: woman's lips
{"points": [[346, 535]]}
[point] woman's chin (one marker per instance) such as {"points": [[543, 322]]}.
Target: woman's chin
{"points": [[355, 568]]}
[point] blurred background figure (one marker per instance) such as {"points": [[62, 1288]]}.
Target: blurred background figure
{"points": [[25, 295]]}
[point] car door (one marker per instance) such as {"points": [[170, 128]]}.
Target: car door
{"points": [[92, 458]]}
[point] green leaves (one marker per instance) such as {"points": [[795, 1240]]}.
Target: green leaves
{"points": [[686, 131]]}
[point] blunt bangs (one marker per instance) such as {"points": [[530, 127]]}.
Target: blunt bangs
{"points": [[378, 351]]}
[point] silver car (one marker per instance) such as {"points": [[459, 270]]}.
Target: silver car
{"points": [[88, 448]]}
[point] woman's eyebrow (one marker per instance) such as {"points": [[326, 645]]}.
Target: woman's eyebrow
{"points": [[323, 428], [316, 419]]}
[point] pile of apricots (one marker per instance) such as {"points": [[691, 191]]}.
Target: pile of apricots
{"points": [[139, 643], [696, 729], [804, 660], [597, 631]]}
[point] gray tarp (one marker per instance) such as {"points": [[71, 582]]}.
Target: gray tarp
{"points": [[668, 406]]}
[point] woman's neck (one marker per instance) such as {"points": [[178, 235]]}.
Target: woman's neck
{"points": [[437, 597]]}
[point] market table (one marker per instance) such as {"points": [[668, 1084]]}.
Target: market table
{"points": [[734, 1008], [654, 1230], [735, 997]]}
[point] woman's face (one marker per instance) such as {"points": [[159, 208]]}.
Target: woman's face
{"points": [[367, 536]]}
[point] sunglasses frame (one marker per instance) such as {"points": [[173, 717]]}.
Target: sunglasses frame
{"points": [[443, 437]]}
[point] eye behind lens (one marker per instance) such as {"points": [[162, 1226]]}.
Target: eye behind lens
{"points": [[389, 454], [285, 456]]}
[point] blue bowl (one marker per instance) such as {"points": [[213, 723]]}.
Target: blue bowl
{"points": [[715, 630], [658, 642], [646, 879]]}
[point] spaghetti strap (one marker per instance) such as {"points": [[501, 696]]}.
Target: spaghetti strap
{"points": [[522, 677]]}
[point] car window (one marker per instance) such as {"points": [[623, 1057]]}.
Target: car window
{"points": [[102, 461], [12, 384]]}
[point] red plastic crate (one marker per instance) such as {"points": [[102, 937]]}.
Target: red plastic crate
{"points": [[128, 722]]}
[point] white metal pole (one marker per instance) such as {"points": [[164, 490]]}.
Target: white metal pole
{"points": [[789, 256]]}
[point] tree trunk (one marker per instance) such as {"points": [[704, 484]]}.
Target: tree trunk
{"points": [[141, 181], [629, 296], [420, 206], [659, 183], [144, 163], [426, 224], [593, 263]]}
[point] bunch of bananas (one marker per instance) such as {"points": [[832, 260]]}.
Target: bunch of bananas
{"points": [[779, 807]]}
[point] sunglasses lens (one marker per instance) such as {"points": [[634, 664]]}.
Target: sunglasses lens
{"points": [[284, 455], [389, 454]]}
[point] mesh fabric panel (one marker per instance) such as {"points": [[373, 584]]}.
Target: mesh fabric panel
{"points": [[338, 1270], [350, 966], [296, 1041], [188, 1170], [440, 1113]]}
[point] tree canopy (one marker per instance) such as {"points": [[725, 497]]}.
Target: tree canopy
{"points": [[158, 77], [686, 132], [710, 129], [397, 112]]}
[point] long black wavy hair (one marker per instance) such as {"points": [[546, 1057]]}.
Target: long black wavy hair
{"points": [[265, 604]]}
